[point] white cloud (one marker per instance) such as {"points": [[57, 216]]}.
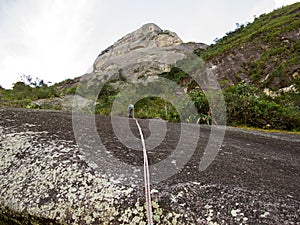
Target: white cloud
{"points": [[56, 40], [48, 39], [280, 3], [266, 6], [262, 6]]}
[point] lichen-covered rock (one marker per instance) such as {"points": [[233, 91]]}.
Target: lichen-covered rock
{"points": [[65, 103], [48, 180], [45, 178]]}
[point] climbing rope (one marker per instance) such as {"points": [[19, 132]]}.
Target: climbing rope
{"points": [[146, 179]]}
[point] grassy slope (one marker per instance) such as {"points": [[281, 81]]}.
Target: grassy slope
{"points": [[270, 45], [265, 53]]}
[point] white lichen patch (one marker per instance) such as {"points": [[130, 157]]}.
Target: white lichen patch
{"points": [[235, 212], [265, 214], [136, 215], [49, 179]]}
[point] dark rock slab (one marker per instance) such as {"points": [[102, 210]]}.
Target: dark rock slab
{"points": [[45, 176]]}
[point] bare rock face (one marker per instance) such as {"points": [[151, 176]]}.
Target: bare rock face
{"points": [[65, 103], [148, 36], [146, 52]]}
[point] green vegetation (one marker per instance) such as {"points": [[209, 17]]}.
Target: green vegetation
{"points": [[247, 105], [201, 103], [266, 28], [270, 47], [165, 32], [154, 107], [23, 94], [175, 74], [105, 100]]}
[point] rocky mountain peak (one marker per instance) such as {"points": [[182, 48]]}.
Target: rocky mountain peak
{"points": [[152, 27], [148, 36], [143, 53]]}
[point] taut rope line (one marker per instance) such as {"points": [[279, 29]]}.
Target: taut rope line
{"points": [[146, 179]]}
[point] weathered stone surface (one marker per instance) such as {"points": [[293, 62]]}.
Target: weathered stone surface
{"points": [[43, 174], [148, 36], [65, 103], [253, 180], [146, 52]]}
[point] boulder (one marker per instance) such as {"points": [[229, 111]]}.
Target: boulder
{"points": [[65, 103]]}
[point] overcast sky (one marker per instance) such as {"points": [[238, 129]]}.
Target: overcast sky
{"points": [[59, 39]]}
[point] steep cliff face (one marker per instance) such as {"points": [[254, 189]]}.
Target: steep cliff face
{"points": [[148, 51], [148, 36]]}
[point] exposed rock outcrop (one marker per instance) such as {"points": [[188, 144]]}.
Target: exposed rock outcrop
{"points": [[146, 52], [46, 180], [65, 103], [138, 57]]}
